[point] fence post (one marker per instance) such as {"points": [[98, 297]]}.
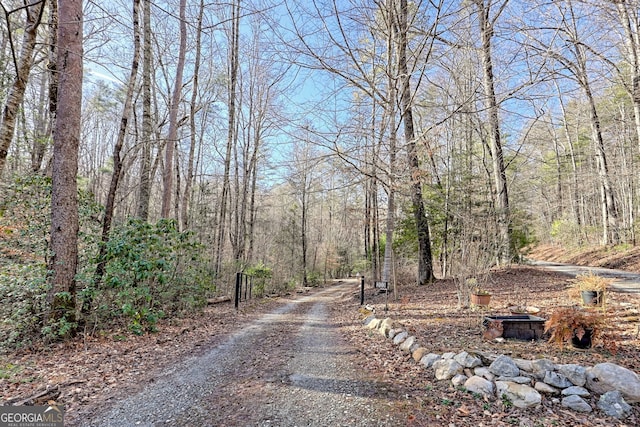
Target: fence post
{"points": [[362, 290], [238, 280]]}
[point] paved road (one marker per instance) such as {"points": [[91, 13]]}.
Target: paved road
{"points": [[624, 281], [289, 368]]}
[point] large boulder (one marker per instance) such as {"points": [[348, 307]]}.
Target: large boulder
{"points": [[522, 396], [577, 374], [407, 343], [612, 403], [557, 380], [385, 326], [445, 369], [504, 366], [400, 337], [480, 385], [605, 377], [576, 403], [429, 359], [467, 360]]}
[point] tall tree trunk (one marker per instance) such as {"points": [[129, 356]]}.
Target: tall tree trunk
{"points": [[192, 123], [172, 137], [42, 128], [17, 89], [127, 110], [425, 262], [390, 112], [144, 194], [231, 134], [64, 192], [486, 23]]}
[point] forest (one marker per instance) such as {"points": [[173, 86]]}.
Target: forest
{"points": [[150, 149]]}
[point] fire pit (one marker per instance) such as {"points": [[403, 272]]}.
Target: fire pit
{"points": [[520, 326]]}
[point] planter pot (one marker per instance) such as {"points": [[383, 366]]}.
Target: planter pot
{"points": [[480, 299], [584, 341], [592, 297]]}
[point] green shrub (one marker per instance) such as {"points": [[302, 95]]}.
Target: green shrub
{"points": [[261, 274], [151, 270]]}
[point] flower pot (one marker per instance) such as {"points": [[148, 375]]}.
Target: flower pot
{"points": [[592, 297], [582, 338], [480, 299]]}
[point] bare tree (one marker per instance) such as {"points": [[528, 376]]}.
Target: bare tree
{"points": [[172, 136], [486, 23], [127, 110], [23, 66]]}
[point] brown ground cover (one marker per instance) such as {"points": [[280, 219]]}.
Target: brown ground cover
{"points": [[432, 315], [97, 368]]}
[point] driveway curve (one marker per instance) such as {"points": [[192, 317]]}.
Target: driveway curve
{"points": [[623, 281], [291, 367]]}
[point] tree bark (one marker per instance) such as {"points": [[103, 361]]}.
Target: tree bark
{"points": [[144, 194], [172, 137], [425, 262], [17, 89], [486, 23], [186, 197], [231, 134], [66, 138]]}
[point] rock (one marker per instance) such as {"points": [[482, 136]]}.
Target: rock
{"points": [[545, 388], [476, 384], [407, 343], [540, 367], [448, 355], [467, 360], [577, 374], [468, 372], [557, 380], [393, 332], [400, 337], [524, 365], [419, 353], [605, 377], [385, 326], [458, 380], [429, 359], [484, 372], [414, 347], [374, 323], [368, 320], [445, 369], [504, 366], [612, 403], [576, 403], [519, 380], [522, 396], [575, 390]]}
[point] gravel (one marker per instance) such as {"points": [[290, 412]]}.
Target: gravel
{"points": [[289, 368]]}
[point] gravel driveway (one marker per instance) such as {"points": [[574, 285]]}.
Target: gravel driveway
{"points": [[289, 368]]}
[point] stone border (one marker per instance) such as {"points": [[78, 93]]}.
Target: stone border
{"points": [[523, 382]]}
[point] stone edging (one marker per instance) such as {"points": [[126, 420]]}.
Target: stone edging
{"points": [[523, 382]]}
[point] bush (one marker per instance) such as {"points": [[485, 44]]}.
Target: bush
{"points": [[260, 274], [151, 270]]}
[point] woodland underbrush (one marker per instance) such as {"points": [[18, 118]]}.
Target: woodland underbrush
{"points": [[152, 270]]}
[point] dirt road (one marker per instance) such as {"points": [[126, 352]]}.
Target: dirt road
{"points": [[289, 368]]}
